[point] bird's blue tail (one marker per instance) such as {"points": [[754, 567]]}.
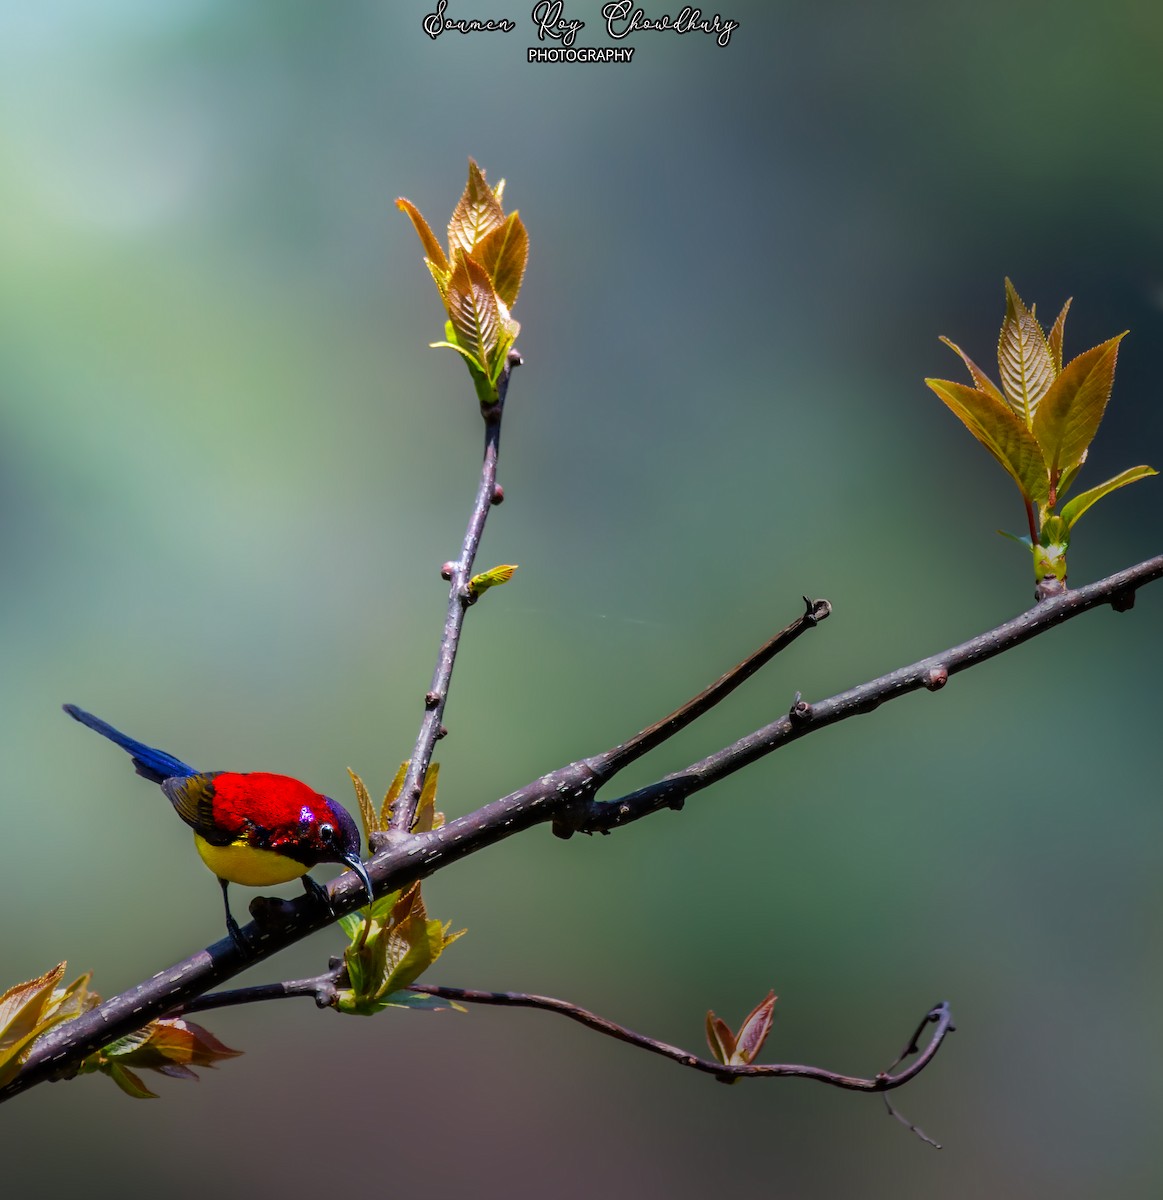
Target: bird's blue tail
{"points": [[155, 765]]}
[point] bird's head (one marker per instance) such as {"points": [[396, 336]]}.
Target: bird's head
{"points": [[328, 834]]}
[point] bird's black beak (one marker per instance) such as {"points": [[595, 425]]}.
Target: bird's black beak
{"points": [[353, 861]]}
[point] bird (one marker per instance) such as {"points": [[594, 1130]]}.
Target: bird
{"points": [[251, 828]]}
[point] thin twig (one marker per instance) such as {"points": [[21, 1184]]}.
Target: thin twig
{"points": [[404, 810], [654, 735], [567, 791], [939, 1016], [320, 988]]}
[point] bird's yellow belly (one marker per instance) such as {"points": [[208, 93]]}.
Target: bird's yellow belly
{"points": [[240, 863]]}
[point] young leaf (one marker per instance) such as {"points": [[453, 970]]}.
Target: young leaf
{"points": [[129, 1083], [720, 1038], [426, 818], [392, 795], [433, 250], [1021, 541], [1076, 507], [504, 253], [22, 1006], [472, 309], [367, 811], [1069, 415], [477, 213], [440, 278], [32, 1008], [421, 1001], [754, 1030], [1001, 431], [493, 577], [1023, 357], [982, 380], [1054, 532], [1066, 479], [1054, 341]]}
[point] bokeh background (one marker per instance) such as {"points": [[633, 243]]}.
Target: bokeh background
{"points": [[230, 469]]}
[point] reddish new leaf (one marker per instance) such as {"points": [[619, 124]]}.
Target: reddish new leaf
{"points": [[472, 309], [755, 1028], [720, 1038], [432, 248]]}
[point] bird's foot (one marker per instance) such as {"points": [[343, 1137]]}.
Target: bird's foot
{"points": [[241, 942], [319, 894]]}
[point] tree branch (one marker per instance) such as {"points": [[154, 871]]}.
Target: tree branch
{"points": [[565, 797], [404, 810], [931, 673]]}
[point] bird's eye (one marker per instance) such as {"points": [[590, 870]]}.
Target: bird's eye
{"points": [[327, 832]]}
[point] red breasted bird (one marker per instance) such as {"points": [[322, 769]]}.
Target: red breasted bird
{"points": [[251, 828]]}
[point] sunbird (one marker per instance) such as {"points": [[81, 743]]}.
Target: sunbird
{"points": [[252, 828]]}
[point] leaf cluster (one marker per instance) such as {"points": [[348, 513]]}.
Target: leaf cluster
{"points": [[478, 278], [393, 941], [32, 1008], [171, 1045], [379, 820], [1040, 422]]}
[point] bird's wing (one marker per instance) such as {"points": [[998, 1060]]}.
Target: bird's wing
{"points": [[193, 801]]}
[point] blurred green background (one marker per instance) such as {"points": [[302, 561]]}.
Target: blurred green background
{"points": [[230, 469]]}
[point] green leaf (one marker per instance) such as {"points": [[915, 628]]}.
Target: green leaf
{"points": [[424, 941], [1069, 416], [493, 577], [1054, 532], [1023, 358], [351, 924], [503, 253], [982, 380], [477, 213], [1072, 511], [1066, 479], [1001, 431], [433, 250], [472, 309], [404, 999], [472, 362], [1021, 541], [129, 1082], [1054, 341]]}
